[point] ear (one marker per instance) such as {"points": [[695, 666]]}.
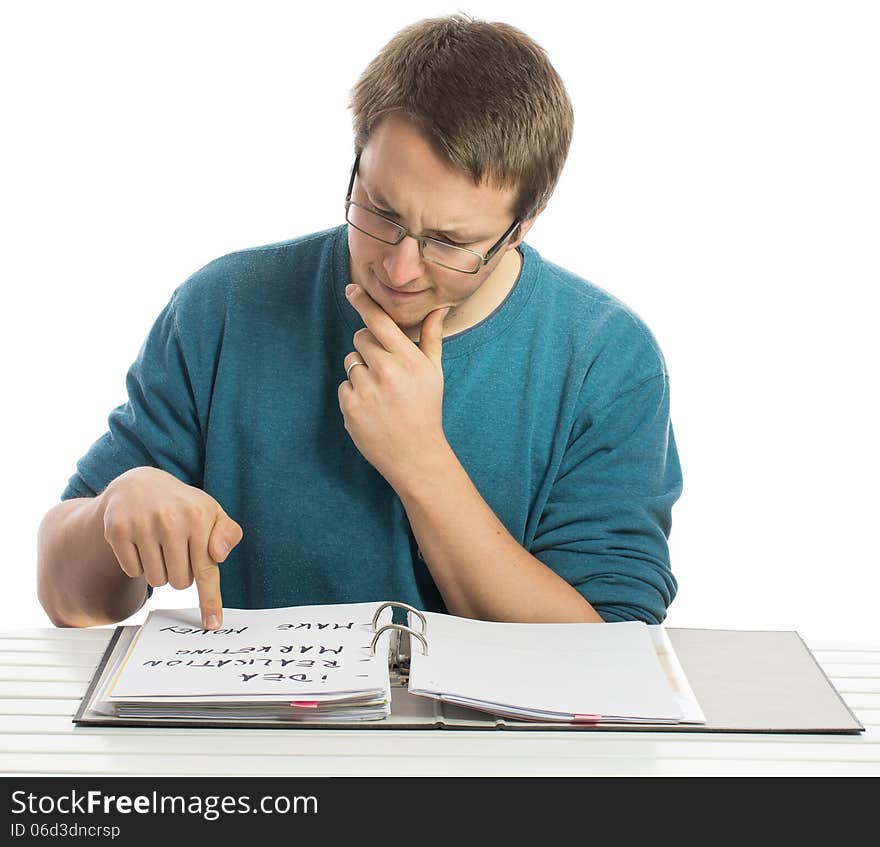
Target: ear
{"points": [[523, 229]]}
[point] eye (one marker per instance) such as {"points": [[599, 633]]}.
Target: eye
{"points": [[384, 212], [451, 243]]}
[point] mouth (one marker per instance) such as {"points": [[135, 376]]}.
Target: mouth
{"points": [[395, 293]]}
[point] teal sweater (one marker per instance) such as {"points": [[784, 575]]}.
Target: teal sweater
{"points": [[557, 406]]}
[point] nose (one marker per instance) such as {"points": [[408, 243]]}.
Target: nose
{"points": [[402, 262]]}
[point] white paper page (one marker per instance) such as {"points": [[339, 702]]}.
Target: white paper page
{"points": [[687, 700], [117, 654], [290, 652], [607, 669]]}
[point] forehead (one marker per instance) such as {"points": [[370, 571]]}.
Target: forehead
{"points": [[400, 167]]}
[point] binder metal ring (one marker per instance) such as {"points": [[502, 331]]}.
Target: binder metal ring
{"points": [[409, 608], [401, 628]]}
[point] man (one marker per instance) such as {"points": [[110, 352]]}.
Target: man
{"points": [[415, 406]]}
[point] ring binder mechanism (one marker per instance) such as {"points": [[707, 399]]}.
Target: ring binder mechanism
{"points": [[406, 606], [400, 628], [399, 653]]}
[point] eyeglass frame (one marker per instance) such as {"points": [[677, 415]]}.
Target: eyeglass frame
{"points": [[421, 239]]}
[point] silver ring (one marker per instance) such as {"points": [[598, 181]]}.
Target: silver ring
{"points": [[353, 365]]}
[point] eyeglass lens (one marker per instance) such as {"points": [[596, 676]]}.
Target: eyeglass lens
{"points": [[455, 258]]}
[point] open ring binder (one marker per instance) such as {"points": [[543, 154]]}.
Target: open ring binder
{"points": [[309, 666]]}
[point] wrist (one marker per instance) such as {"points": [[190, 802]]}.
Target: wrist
{"points": [[436, 469], [99, 503]]}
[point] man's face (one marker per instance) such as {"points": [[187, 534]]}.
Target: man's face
{"points": [[402, 178]]}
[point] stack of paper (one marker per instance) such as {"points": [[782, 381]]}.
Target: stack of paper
{"points": [[309, 663], [612, 672], [328, 664]]}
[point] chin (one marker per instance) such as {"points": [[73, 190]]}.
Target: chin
{"points": [[405, 321]]}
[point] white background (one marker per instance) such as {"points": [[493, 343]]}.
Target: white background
{"points": [[723, 181]]}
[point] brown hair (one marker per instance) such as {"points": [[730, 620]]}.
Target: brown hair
{"points": [[486, 97]]}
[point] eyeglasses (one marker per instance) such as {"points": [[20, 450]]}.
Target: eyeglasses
{"points": [[431, 250]]}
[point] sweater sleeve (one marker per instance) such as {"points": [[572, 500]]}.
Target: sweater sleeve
{"points": [[606, 524], [158, 426]]}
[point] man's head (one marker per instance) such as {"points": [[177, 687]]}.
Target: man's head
{"points": [[462, 127], [484, 94]]}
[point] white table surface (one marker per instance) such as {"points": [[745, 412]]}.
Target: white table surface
{"points": [[45, 672]]}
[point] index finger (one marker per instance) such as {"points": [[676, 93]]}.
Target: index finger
{"points": [[377, 320], [206, 573]]}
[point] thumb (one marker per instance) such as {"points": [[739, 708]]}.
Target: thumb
{"points": [[431, 335], [224, 536]]}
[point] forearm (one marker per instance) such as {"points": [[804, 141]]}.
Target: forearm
{"points": [[480, 570], [79, 580]]}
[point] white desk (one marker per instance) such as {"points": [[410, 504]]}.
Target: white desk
{"points": [[45, 672]]}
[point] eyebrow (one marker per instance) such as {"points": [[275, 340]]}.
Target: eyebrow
{"points": [[454, 234]]}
